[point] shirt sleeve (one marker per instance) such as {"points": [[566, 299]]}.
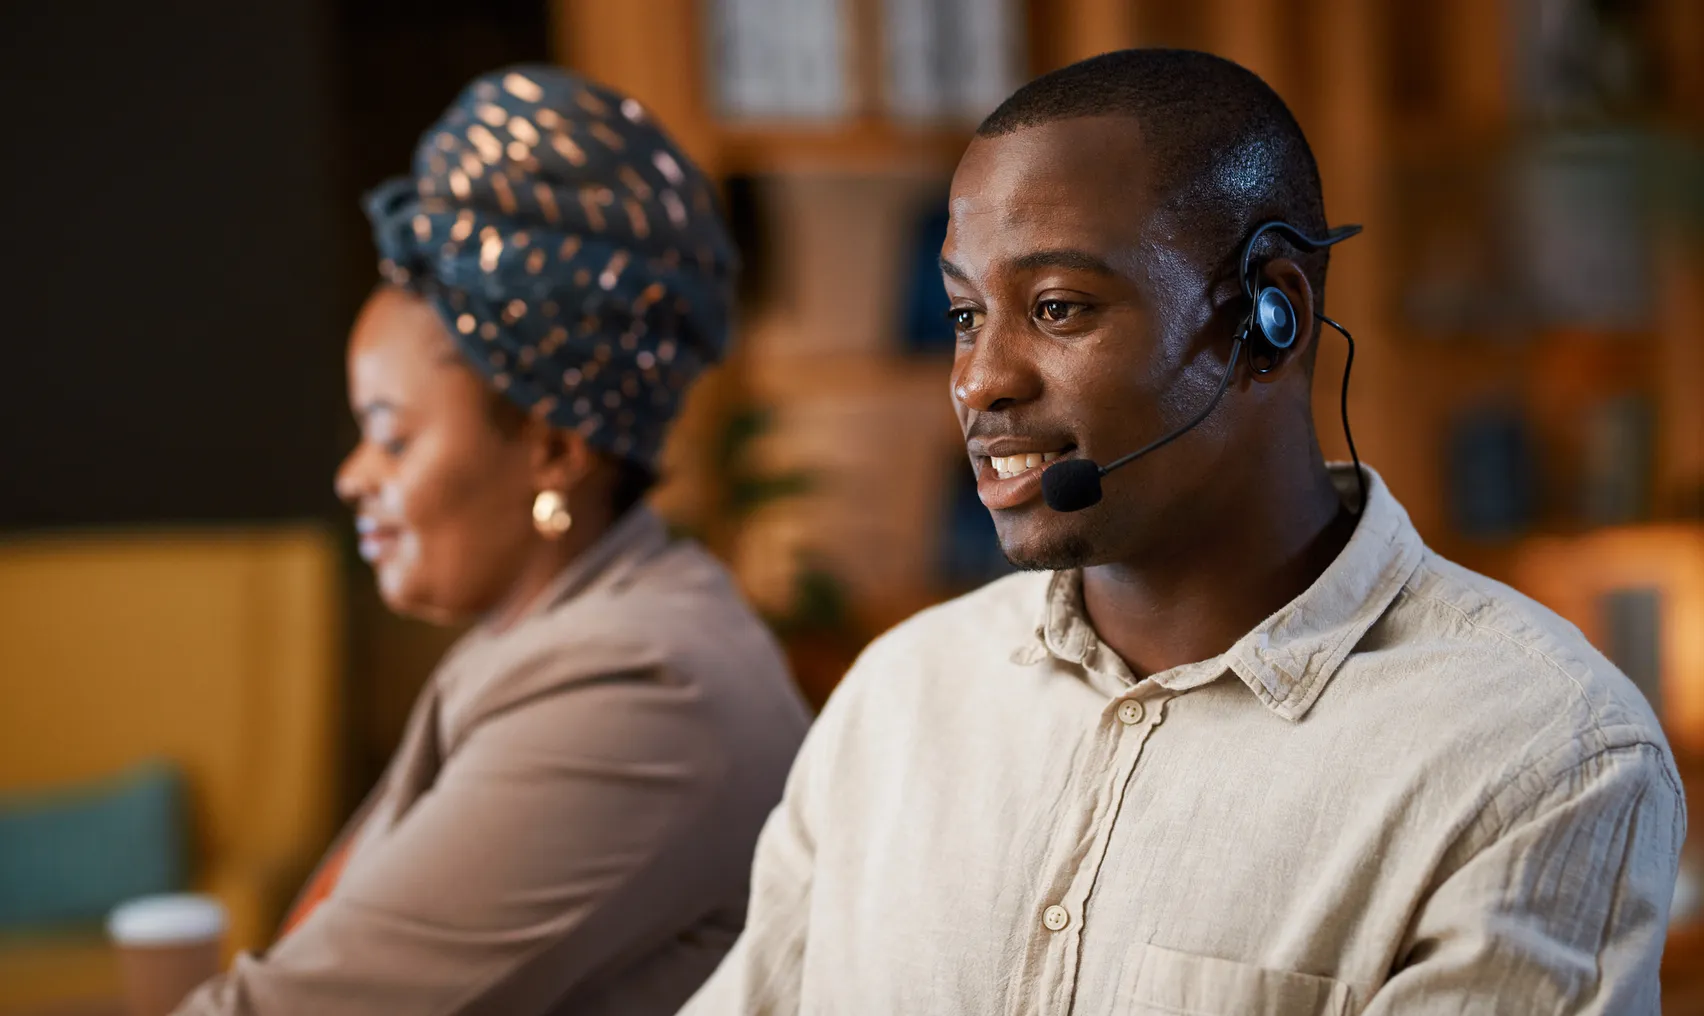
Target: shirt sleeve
{"points": [[1564, 911], [558, 837], [763, 974]]}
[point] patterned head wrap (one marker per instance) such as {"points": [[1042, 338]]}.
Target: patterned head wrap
{"points": [[574, 252]]}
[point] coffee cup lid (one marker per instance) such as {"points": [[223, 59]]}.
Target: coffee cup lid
{"points": [[167, 920]]}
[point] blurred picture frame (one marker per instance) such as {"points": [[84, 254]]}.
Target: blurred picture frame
{"points": [[1637, 593]]}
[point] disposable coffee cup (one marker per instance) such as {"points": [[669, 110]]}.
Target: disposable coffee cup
{"points": [[167, 945]]}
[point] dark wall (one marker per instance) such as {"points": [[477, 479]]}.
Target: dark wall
{"points": [[183, 244], [184, 250], [171, 332]]}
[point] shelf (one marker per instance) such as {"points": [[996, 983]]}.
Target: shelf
{"points": [[1570, 575], [793, 378], [854, 146]]}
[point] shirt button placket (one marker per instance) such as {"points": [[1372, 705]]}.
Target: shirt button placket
{"points": [[1130, 712], [1055, 918]]}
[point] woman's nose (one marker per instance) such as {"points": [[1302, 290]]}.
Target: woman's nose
{"points": [[353, 477]]}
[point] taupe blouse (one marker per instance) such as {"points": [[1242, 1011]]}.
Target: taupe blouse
{"points": [[569, 822]]}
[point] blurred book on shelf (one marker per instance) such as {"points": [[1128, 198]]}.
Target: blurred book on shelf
{"points": [[834, 249], [1636, 592], [780, 59], [1632, 637], [1545, 229], [1618, 461], [931, 61], [1493, 481], [926, 328], [949, 60], [1578, 203]]}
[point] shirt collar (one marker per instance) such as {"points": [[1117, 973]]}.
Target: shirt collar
{"points": [[1288, 659]]}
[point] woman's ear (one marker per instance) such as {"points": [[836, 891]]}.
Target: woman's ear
{"points": [[561, 459]]}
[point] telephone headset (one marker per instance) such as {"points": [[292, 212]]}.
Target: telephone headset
{"points": [[1269, 330]]}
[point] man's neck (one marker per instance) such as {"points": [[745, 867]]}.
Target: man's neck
{"points": [[1193, 605]]}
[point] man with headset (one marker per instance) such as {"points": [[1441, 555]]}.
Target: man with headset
{"points": [[1235, 741]]}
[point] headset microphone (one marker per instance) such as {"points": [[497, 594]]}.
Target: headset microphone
{"points": [[1071, 485], [1075, 484]]}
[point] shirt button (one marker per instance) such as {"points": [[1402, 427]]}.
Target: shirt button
{"points": [[1130, 712], [1055, 918]]}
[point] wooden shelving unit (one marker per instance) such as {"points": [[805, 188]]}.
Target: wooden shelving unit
{"points": [[864, 145]]}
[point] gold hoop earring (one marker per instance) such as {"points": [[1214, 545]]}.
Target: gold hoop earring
{"points": [[550, 514]]}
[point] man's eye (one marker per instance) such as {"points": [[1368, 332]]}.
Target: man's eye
{"points": [[395, 446], [965, 319], [1057, 310]]}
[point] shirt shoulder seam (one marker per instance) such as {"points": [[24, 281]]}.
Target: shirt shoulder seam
{"points": [[1528, 649], [1507, 817]]}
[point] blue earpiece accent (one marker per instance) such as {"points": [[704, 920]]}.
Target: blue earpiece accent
{"points": [[1277, 318]]}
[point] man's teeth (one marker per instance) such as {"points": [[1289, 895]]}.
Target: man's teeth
{"points": [[1011, 465]]}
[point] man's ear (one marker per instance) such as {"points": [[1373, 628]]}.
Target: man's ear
{"points": [[1289, 279]]}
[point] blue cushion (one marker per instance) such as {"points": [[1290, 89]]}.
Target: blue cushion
{"points": [[71, 854]]}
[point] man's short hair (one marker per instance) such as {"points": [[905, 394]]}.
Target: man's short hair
{"points": [[1224, 153]]}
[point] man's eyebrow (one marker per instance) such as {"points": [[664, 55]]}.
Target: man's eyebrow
{"points": [[1074, 260], [1067, 258]]}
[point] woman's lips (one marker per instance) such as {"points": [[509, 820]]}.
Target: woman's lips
{"points": [[375, 540]]}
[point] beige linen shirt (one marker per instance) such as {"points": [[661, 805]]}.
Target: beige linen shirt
{"points": [[1411, 790], [569, 822]]}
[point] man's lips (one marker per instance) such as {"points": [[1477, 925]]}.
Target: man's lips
{"points": [[1008, 470]]}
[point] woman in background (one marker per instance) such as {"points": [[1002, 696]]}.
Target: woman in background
{"points": [[568, 824]]}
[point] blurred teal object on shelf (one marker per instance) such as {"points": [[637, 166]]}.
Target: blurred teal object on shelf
{"points": [[1492, 474], [70, 855], [1619, 461], [926, 328]]}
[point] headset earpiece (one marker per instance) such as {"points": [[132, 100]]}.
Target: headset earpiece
{"points": [[1270, 327], [1275, 318]]}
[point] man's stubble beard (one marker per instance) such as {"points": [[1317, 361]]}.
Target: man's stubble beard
{"points": [[1063, 554]]}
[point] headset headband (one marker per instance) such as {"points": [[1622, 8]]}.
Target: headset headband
{"points": [[1297, 237]]}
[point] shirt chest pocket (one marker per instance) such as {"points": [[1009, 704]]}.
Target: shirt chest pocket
{"points": [[1163, 982]]}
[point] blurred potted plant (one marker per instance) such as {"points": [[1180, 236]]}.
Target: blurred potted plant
{"points": [[821, 638], [816, 628]]}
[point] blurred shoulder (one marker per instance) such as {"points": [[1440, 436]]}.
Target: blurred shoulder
{"points": [[670, 624]]}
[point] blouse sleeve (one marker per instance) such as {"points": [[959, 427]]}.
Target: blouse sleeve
{"points": [[557, 838]]}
